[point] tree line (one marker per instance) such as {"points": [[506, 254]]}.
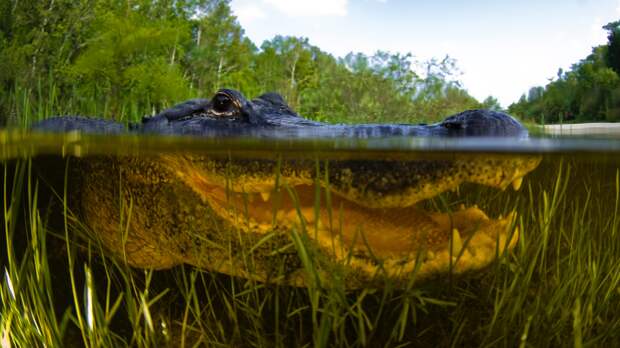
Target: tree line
{"points": [[588, 91], [123, 59]]}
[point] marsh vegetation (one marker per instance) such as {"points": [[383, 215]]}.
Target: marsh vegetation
{"points": [[559, 286], [59, 287]]}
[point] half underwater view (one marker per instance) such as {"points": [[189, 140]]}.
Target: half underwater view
{"points": [[294, 198]]}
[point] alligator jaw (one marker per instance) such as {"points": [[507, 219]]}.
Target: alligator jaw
{"points": [[393, 242]]}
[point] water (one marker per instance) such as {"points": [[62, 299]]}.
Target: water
{"points": [[22, 144], [327, 215]]}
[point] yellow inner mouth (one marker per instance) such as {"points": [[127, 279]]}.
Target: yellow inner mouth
{"points": [[254, 218], [367, 239]]}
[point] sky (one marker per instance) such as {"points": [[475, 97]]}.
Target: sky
{"points": [[502, 47]]}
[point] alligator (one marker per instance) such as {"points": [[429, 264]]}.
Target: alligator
{"points": [[295, 221]]}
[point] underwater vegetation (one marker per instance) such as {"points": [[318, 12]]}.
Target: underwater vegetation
{"points": [[560, 284]]}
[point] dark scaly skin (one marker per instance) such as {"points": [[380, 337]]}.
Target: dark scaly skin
{"points": [[228, 113], [211, 212]]}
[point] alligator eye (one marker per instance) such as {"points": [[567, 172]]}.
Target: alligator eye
{"points": [[222, 102]]}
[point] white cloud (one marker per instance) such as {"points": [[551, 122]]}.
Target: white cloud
{"points": [[298, 8], [247, 12], [598, 35]]}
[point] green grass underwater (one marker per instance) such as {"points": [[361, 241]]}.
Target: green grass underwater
{"points": [[559, 287]]}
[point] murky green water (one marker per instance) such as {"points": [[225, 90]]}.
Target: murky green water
{"points": [[18, 144], [327, 214]]}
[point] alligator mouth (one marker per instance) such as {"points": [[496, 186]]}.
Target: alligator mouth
{"points": [[393, 240]]}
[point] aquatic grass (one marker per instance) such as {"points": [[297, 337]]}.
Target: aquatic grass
{"points": [[30, 312], [560, 286], [560, 270], [27, 309]]}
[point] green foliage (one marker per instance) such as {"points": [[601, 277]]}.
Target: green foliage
{"points": [[612, 54], [219, 55], [127, 58], [590, 91], [491, 103], [130, 59]]}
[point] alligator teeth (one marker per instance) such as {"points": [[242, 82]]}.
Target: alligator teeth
{"points": [[457, 243], [516, 184], [265, 196]]}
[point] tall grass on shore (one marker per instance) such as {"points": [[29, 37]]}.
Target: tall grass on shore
{"points": [[559, 287], [39, 103]]}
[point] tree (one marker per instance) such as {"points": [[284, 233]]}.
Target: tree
{"points": [[491, 103], [40, 37], [612, 54], [589, 91], [288, 65], [220, 55], [130, 59], [126, 58]]}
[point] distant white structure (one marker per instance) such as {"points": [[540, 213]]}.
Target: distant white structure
{"points": [[583, 128]]}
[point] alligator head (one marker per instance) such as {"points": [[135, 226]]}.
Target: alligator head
{"points": [[228, 112], [245, 216]]}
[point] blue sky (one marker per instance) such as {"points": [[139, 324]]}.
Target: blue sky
{"points": [[502, 47]]}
